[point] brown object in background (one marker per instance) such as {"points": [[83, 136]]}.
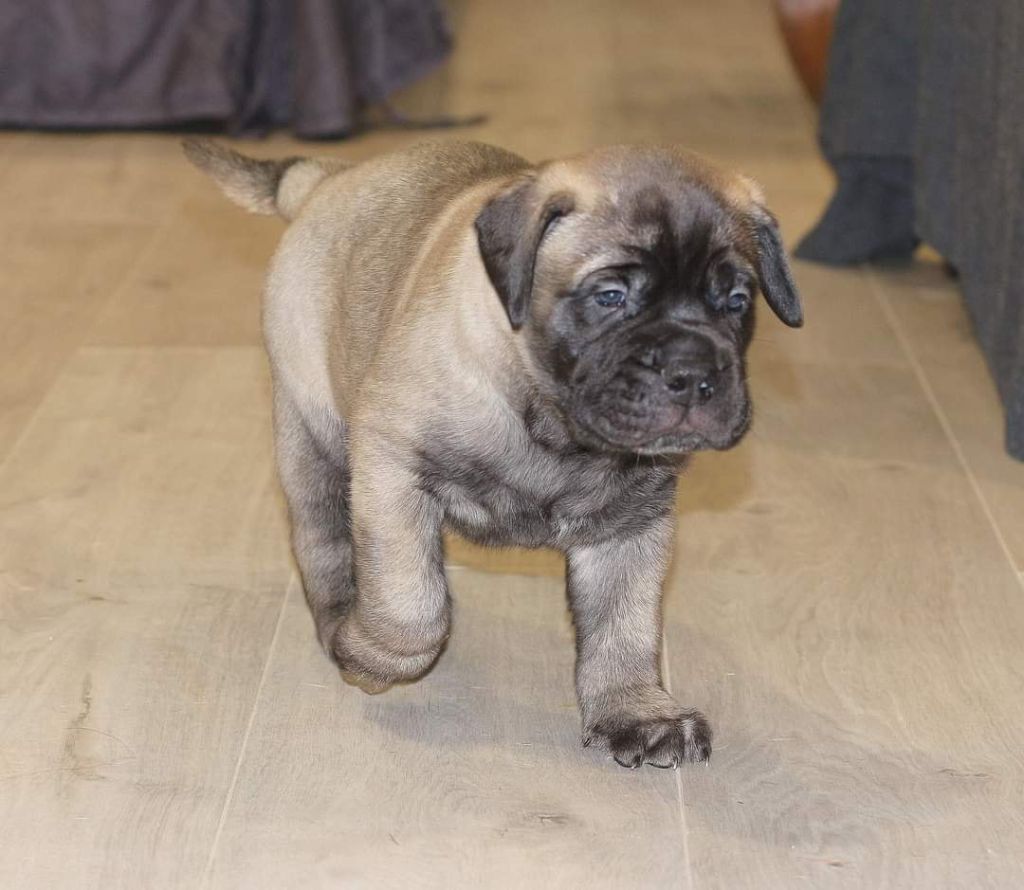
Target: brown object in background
{"points": [[807, 28]]}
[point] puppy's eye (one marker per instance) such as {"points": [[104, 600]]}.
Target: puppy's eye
{"points": [[611, 297], [737, 301]]}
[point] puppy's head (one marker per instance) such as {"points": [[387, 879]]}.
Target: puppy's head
{"points": [[631, 275]]}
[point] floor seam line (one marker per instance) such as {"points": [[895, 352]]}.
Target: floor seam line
{"points": [[243, 749], [131, 268], [678, 772], [156, 240], [922, 378]]}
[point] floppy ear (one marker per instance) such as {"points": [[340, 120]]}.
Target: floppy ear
{"points": [[510, 230], [773, 272]]}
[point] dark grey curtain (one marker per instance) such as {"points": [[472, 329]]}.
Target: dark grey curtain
{"points": [[969, 170], [247, 64], [923, 121]]}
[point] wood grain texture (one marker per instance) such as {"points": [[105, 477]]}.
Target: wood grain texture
{"points": [[199, 284], [57, 277], [511, 560], [132, 178], [866, 709], [839, 604], [933, 319], [473, 777], [142, 563], [827, 598]]}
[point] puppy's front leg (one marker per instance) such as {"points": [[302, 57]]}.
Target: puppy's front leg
{"points": [[402, 612], [615, 594]]}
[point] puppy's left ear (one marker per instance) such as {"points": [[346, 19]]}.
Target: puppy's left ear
{"points": [[773, 272], [510, 230]]}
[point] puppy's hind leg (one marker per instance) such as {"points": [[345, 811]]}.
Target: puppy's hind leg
{"points": [[314, 472]]}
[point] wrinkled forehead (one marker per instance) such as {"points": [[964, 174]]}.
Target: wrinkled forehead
{"points": [[665, 207]]}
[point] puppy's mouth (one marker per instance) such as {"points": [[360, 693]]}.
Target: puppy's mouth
{"points": [[635, 429], [658, 430]]}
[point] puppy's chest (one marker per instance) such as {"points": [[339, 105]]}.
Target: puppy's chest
{"points": [[541, 500]]}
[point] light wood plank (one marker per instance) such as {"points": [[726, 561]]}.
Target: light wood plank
{"points": [[504, 561], [838, 604], [202, 286], [57, 277], [840, 607], [931, 314], [473, 777], [119, 178], [143, 563], [843, 324]]}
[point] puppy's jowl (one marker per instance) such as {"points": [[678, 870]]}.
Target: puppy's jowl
{"points": [[525, 354]]}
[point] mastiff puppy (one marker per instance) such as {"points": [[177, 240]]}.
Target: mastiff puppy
{"points": [[523, 353]]}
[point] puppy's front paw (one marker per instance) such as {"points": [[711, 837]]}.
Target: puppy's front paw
{"points": [[368, 683], [663, 741], [376, 662]]}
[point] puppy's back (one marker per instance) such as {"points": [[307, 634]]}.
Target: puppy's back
{"points": [[343, 264]]}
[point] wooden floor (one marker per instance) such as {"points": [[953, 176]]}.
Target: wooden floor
{"points": [[846, 600]]}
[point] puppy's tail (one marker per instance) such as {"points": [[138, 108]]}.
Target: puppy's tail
{"points": [[271, 187]]}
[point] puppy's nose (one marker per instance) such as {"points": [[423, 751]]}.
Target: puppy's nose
{"points": [[689, 367], [690, 383]]}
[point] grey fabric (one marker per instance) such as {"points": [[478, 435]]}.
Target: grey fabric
{"points": [[970, 170], [937, 86], [870, 216], [248, 64], [870, 99]]}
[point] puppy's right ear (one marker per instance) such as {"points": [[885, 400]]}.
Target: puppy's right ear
{"points": [[509, 231]]}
